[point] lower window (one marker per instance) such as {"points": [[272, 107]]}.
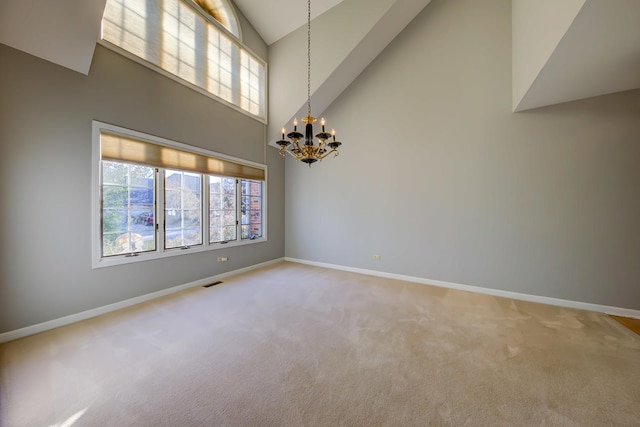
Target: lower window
{"points": [[128, 205], [223, 216], [182, 209], [153, 195], [251, 209]]}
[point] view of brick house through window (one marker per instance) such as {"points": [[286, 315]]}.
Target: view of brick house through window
{"points": [[251, 209]]}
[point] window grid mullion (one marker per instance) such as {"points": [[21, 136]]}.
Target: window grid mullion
{"points": [[154, 32], [205, 209], [182, 209], [160, 210], [236, 75], [238, 210], [202, 61]]}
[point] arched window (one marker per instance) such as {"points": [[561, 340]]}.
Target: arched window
{"points": [[223, 12], [197, 42]]}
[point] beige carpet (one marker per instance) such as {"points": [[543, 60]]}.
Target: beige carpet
{"points": [[293, 345]]}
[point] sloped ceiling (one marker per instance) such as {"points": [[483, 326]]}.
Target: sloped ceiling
{"points": [[274, 19], [598, 53], [63, 31], [595, 50], [345, 39]]}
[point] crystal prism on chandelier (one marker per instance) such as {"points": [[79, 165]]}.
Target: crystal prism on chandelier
{"points": [[308, 151]]}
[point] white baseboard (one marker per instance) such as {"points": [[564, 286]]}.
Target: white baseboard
{"points": [[45, 326], [616, 311]]}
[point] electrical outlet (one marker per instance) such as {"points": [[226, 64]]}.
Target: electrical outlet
{"points": [[376, 257], [223, 259]]}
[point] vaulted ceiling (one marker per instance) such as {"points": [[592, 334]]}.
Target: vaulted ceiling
{"points": [[573, 49], [562, 50]]}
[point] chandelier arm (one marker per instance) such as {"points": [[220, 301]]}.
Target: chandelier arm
{"points": [[333, 150], [289, 153]]}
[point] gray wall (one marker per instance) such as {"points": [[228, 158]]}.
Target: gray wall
{"points": [[440, 178], [45, 180]]}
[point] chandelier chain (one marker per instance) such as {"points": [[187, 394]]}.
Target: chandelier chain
{"points": [[309, 58], [302, 146]]}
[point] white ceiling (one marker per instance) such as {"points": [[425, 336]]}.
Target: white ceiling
{"points": [[275, 19]]}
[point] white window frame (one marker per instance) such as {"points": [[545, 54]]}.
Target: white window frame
{"points": [[207, 209], [99, 261], [237, 66]]}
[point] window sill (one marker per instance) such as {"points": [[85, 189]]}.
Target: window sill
{"points": [[167, 253], [110, 46]]}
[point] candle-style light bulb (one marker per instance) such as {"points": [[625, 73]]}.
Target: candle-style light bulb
{"points": [[333, 132], [295, 124], [322, 123], [283, 131]]}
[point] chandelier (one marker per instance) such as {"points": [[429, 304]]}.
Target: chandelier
{"points": [[308, 151]]}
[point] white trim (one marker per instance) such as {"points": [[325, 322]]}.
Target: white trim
{"points": [[616, 311], [56, 323], [167, 253]]}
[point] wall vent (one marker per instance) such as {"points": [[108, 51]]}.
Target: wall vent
{"points": [[212, 284]]}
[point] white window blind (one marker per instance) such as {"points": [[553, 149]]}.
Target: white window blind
{"points": [[175, 36]]}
